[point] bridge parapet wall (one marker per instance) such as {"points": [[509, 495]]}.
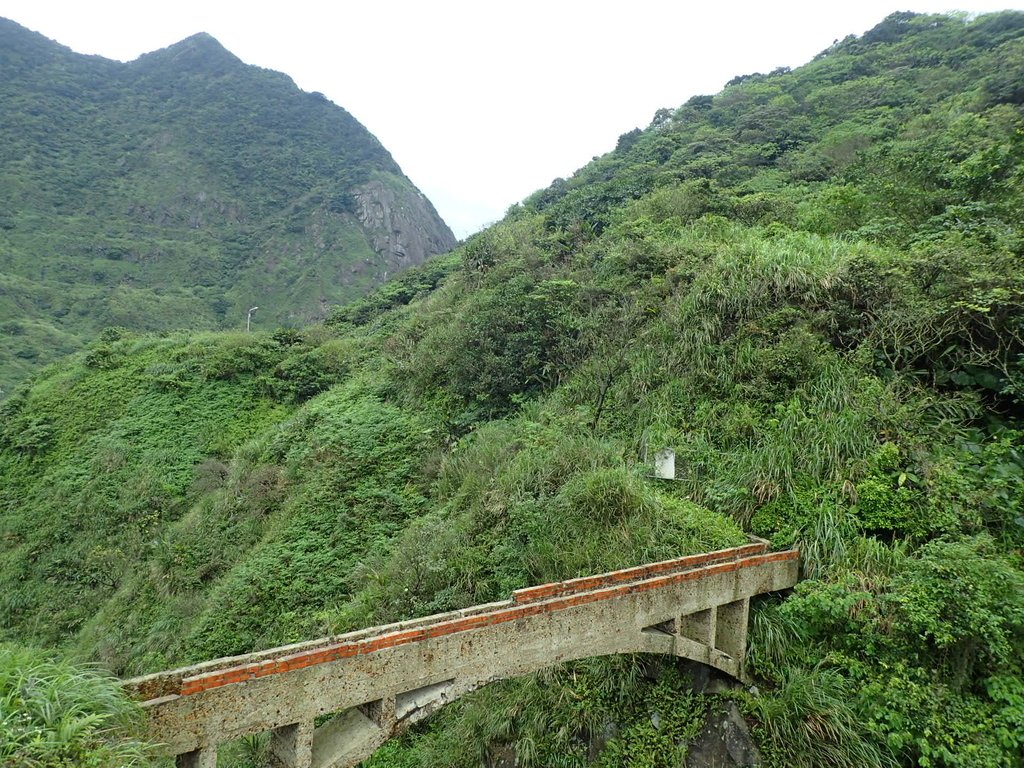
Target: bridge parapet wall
{"points": [[270, 661]]}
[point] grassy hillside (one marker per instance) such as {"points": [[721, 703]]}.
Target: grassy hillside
{"points": [[809, 285], [177, 191]]}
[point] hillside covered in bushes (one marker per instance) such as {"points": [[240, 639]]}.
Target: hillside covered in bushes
{"points": [[809, 285]]}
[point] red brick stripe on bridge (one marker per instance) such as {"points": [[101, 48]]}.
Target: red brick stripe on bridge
{"points": [[545, 591], [583, 591]]}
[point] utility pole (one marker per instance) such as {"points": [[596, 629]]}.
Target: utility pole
{"points": [[248, 318]]}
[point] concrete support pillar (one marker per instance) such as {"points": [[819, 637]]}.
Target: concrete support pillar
{"points": [[351, 736], [204, 757], [381, 712], [731, 628], [291, 746], [699, 626]]}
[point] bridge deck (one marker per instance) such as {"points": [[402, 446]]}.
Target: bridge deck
{"points": [[382, 677]]}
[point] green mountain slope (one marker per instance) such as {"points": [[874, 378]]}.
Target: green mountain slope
{"points": [[808, 285], [180, 189]]}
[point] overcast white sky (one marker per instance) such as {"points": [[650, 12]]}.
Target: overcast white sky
{"points": [[482, 103]]}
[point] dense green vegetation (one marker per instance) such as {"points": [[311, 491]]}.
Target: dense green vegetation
{"points": [[55, 715], [809, 285], [175, 191]]}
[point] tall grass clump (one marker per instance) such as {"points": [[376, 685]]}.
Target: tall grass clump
{"points": [[56, 715], [751, 273], [808, 722], [774, 634]]}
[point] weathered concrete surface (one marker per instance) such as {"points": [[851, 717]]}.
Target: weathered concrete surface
{"points": [[384, 678]]}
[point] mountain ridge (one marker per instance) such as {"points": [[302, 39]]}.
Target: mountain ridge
{"points": [[182, 188]]}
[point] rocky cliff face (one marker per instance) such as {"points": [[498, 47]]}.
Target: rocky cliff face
{"points": [[401, 224]]}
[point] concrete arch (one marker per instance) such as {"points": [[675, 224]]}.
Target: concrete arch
{"points": [[382, 679], [354, 735]]}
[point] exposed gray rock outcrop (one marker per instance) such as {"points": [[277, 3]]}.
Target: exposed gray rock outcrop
{"points": [[400, 223], [724, 741]]}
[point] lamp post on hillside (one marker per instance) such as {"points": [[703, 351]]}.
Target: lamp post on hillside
{"points": [[248, 318]]}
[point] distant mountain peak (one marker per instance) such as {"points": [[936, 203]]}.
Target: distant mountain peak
{"points": [[203, 37], [202, 41], [201, 48]]}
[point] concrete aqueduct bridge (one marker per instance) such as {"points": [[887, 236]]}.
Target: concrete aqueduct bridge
{"points": [[380, 680]]}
